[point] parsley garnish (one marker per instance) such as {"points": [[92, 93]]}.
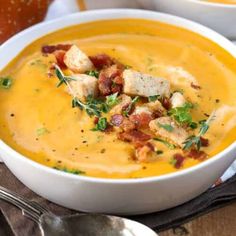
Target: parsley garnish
{"points": [[169, 145], [167, 127], [5, 82], [42, 131], [196, 139], [182, 114], [153, 98], [112, 100], [93, 73], [128, 109], [101, 125]]}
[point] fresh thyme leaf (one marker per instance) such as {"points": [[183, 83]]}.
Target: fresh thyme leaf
{"points": [[5, 82], [128, 109], [167, 127], [173, 161], [153, 98], [169, 145], [101, 125], [112, 100], [42, 131], [182, 114], [94, 73], [91, 108], [195, 140], [193, 125], [62, 78]]}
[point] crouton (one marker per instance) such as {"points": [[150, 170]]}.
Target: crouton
{"points": [[84, 85], [177, 100], [77, 61], [167, 128], [136, 83]]}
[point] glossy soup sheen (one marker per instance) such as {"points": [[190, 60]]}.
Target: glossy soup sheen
{"points": [[37, 120]]}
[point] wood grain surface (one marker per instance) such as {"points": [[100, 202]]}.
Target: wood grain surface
{"points": [[221, 222]]}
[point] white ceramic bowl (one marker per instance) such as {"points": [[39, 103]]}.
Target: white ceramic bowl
{"points": [[115, 196], [220, 17]]}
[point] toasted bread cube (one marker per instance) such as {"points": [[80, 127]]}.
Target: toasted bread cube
{"points": [[177, 100], [77, 61], [83, 86], [176, 134], [136, 83]]}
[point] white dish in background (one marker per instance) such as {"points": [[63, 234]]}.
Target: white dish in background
{"points": [[115, 196], [220, 17]]}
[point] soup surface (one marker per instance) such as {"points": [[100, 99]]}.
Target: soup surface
{"points": [[222, 1], [37, 119]]}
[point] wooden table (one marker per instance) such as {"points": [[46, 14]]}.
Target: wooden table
{"points": [[221, 222]]}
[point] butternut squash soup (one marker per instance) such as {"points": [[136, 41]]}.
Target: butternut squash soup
{"points": [[126, 98], [222, 1]]}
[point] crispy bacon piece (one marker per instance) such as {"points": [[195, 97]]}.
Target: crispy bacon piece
{"points": [[199, 155], [204, 142], [127, 125], [179, 159], [101, 61], [141, 120], [166, 103], [142, 153], [195, 86], [47, 49], [158, 113], [107, 78], [96, 119], [117, 120], [59, 54], [134, 136]]}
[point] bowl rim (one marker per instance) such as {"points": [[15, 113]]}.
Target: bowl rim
{"points": [[107, 14], [214, 4]]}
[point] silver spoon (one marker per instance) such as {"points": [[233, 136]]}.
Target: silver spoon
{"points": [[77, 224]]}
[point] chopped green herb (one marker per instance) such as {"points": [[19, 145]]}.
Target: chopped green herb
{"points": [[159, 152], [128, 109], [94, 73], [196, 139], [182, 114], [101, 125], [173, 161], [169, 145], [62, 78], [92, 109], [42, 131], [75, 172], [112, 100], [5, 82], [167, 127], [153, 98], [193, 125]]}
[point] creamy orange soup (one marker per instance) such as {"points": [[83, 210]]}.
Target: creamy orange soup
{"points": [[37, 120], [222, 1]]}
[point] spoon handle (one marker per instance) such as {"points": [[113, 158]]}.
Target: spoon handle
{"points": [[30, 209]]}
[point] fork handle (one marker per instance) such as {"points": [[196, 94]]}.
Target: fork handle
{"points": [[30, 209]]}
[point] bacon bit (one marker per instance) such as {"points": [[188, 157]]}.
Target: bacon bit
{"points": [[47, 49], [133, 136], [107, 78], [199, 155], [108, 129], [143, 152], [101, 61], [150, 146], [117, 120], [59, 54], [157, 114], [178, 160], [125, 107], [204, 142], [141, 120], [166, 103], [96, 119], [127, 125], [195, 86]]}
